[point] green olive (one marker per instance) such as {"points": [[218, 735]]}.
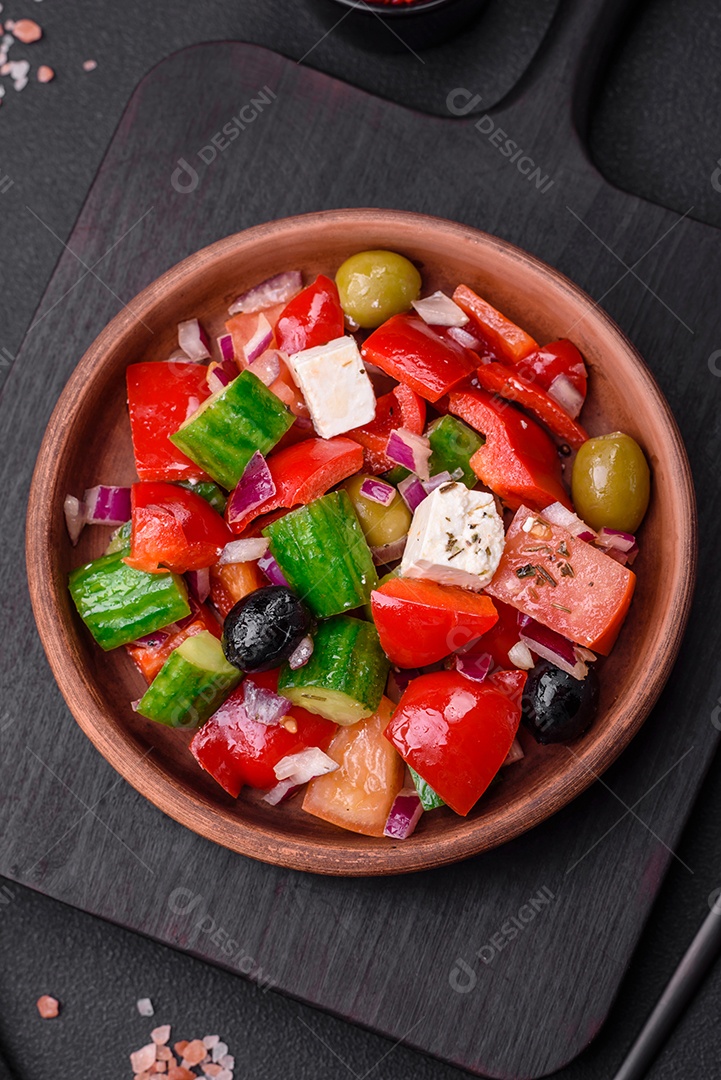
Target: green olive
{"points": [[611, 483], [373, 285], [380, 524]]}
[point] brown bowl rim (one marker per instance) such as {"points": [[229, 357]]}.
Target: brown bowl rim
{"points": [[267, 844]]}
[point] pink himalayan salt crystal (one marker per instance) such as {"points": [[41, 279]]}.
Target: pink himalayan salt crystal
{"points": [[194, 1052], [45, 74], [164, 1053], [89, 65], [141, 1060], [48, 1007], [145, 1006], [160, 1034], [27, 31]]}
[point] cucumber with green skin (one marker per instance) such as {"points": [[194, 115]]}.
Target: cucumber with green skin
{"points": [[228, 428], [430, 799], [345, 677], [323, 554], [193, 682], [453, 444], [120, 539], [119, 604]]}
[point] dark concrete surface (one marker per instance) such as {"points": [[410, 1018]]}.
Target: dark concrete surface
{"points": [[656, 131]]}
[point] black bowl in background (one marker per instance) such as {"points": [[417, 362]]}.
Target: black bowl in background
{"points": [[395, 27]]}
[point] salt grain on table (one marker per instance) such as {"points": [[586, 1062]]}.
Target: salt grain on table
{"points": [[45, 74], [26, 30], [145, 1007], [48, 1007], [219, 1050], [142, 1059], [89, 65], [160, 1035], [211, 1040]]}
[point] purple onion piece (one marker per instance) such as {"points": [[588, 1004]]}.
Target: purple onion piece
{"points": [[439, 310], [262, 705], [404, 815], [75, 517], [389, 553], [259, 341], [378, 491], [283, 790], [301, 654], [409, 450], [193, 340], [225, 348], [255, 487], [150, 641], [199, 583], [107, 505], [474, 666], [437, 481], [464, 338], [245, 550], [272, 571], [278, 289], [412, 492]]}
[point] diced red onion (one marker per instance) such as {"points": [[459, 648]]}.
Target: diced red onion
{"points": [[199, 583], [259, 341], [566, 395], [404, 815], [225, 347], [551, 646], [193, 340], [267, 366], [520, 656], [438, 480], [278, 289], [134, 704], [242, 551], [255, 487], [558, 514], [388, 553], [378, 491], [264, 705], [150, 641], [272, 571], [614, 538], [411, 451], [439, 310], [282, 791], [412, 492], [631, 555], [464, 338], [301, 654], [514, 754], [303, 766], [475, 666], [105, 505], [75, 519], [218, 378]]}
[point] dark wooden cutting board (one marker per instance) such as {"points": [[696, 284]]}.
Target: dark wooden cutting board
{"points": [[506, 964]]}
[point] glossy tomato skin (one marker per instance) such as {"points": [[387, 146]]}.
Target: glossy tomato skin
{"points": [[456, 733], [546, 363], [160, 397], [237, 751], [174, 529], [313, 317], [401, 408], [500, 639], [508, 382], [421, 622]]}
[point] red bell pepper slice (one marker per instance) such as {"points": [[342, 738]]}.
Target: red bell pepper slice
{"points": [[510, 384], [160, 397], [230, 583], [505, 340], [545, 364], [401, 408], [421, 622], [456, 733], [563, 582], [412, 352], [500, 639], [313, 317], [173, 529], [304, 472], [150, 657], [237, 751], [518, 460]]}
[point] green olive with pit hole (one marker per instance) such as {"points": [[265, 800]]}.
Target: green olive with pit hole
{"points": [[381, 525], [611, 483], [373, 285]]}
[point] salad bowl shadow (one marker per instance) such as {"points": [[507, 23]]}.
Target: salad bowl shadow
{"points": [[79, 451]]}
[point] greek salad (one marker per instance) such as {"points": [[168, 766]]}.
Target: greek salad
{"points": [[369, 539]]}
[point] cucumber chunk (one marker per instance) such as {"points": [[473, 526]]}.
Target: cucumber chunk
{"points": [[119, 604], [430, 799], [323, 554], [453, 444], [345, 677], [120, 539], [228, 428], [192, 683]]}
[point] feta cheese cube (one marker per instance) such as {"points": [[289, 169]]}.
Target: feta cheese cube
{"points": [[335, 385], [456, 538]]}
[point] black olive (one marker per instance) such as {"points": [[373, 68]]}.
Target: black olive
{"points": [[264, 628], [557, 707]]}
